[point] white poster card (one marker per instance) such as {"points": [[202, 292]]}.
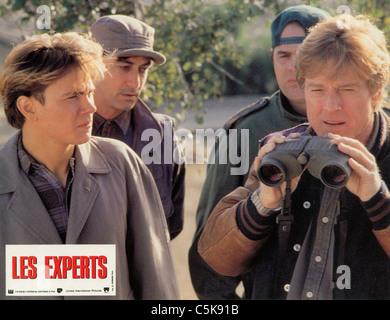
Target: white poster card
{"points": [[62, 270]]}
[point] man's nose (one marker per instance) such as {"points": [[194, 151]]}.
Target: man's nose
{"points": [[133, 80], [333, 101], [88, 104], [291, 64]]}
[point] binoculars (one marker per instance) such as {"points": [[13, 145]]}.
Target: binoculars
{"points": [[321, 156]]}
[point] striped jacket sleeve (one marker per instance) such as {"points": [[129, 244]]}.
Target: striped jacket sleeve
{"points": [[235, 231], [378, 211]]}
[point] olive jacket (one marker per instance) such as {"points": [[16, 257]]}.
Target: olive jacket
{"points": [[268, 114]]}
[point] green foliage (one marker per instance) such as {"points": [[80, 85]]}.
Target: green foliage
{"points": [[376, 10], [197, 37], [213, 47]]}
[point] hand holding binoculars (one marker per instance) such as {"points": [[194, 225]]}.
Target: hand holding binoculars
{"points": [[318, 154]]}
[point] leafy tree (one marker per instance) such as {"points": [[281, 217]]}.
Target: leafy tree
{"points": [[196, 36], [202, 39], [377, 10]]}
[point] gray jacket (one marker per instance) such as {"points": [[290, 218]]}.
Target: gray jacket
{"points": [[114, 200]]}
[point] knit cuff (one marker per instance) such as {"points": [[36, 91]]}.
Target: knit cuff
{"points": [[252, 224], [378, 208]]}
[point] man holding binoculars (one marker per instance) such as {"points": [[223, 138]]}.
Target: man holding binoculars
{"points": [[293, 234], [319, 155]]}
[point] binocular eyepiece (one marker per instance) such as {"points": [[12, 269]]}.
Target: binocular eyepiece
{"points": [[322, 157]]}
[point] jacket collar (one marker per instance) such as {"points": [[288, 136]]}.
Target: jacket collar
{"points": [[94, 162], [26, 205], [142, 119], [379, 141], [381, 146], [8, 159], [287, 110], [89, 156], [123, 121]]}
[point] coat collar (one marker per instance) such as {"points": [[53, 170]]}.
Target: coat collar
{"points": [[287, 110], [85, 189], [25, 204], [123, 121], [381, 145], [142, 119], [8, 159], [88, 155]]}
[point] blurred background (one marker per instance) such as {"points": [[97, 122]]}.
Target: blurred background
{"points": [[218, 61]]}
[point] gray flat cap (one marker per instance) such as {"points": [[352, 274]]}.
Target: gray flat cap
{"points": [[126, 36]]}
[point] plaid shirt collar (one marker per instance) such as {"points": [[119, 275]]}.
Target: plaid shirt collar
{"points": [[28, 163], [54, 196], [123, 121]]}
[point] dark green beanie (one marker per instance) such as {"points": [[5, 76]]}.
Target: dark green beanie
{"points": [[307, 16]]}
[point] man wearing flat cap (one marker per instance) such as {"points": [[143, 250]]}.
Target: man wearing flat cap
{"points": [[122, 115], [285, 108]]}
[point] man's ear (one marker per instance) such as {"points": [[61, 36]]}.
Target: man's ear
{"points": [[27, 107], [376, 98]]}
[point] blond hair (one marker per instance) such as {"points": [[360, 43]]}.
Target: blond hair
{"points": [[42, 59], [345, 42]]}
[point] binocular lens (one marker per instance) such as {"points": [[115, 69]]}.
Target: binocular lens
{"points": [[333, 175], [271, 174]]}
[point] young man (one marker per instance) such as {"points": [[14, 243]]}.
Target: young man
{"points": [[121, 114], [284, 109], [338, 244], [59, 186]]}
